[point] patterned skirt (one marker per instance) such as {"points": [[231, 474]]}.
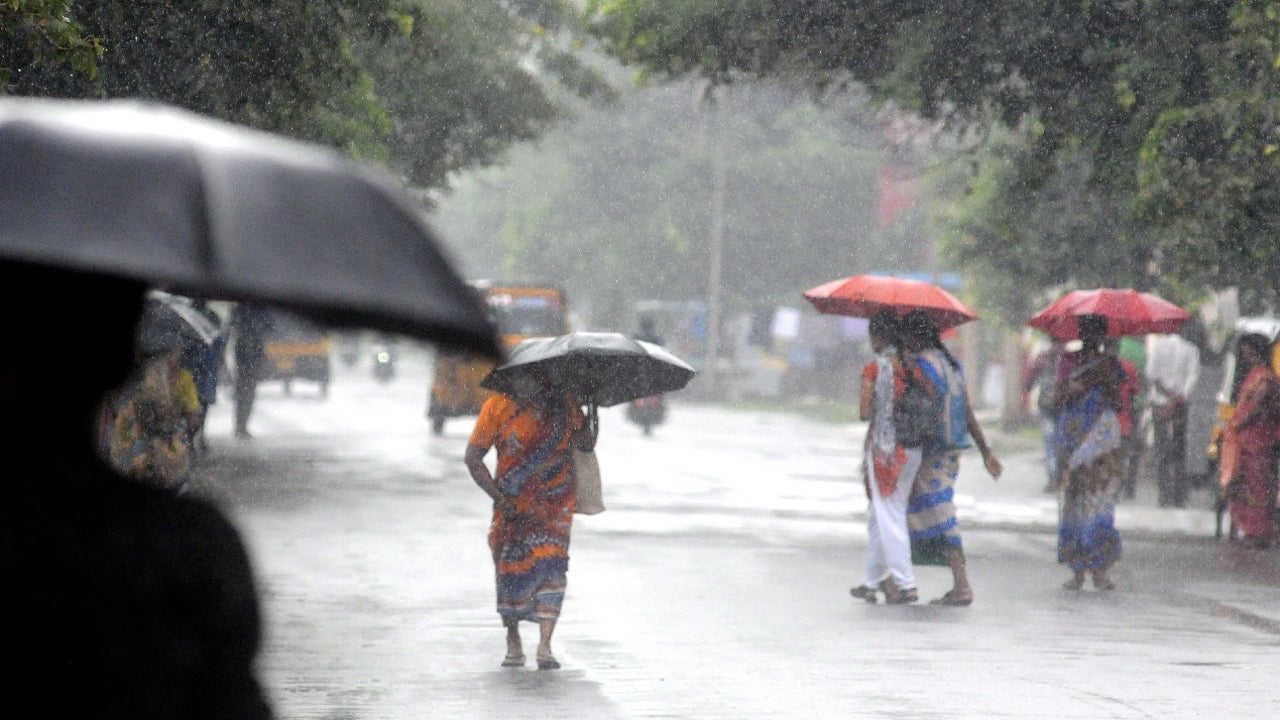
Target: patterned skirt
{"points": [[1087, 535], [531, 560], [931, 512]]}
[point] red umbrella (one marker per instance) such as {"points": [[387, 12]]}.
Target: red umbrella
{"points": [[1128, 312], [865, 296]]}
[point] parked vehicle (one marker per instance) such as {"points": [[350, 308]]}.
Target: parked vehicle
{"points": [[520, 311], [297, 350]]}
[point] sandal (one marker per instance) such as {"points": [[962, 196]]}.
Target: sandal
{"points": [[862, 592], [548, 663], [951, 598], [513, 661], [902, 597]]}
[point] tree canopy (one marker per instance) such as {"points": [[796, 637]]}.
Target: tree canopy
{"points": [[1107, 142], [429, 86], [617, 206]]}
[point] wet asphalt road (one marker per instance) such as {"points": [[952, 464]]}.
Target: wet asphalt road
{"points": [[715, 586]]}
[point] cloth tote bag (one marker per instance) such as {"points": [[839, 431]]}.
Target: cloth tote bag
{"points": [[586, 471]]}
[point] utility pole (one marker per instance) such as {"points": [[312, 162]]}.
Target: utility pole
{"points": [[716, 247]]}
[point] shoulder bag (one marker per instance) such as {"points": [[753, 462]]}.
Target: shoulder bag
{"points": [[586, 476], [586, 473]]}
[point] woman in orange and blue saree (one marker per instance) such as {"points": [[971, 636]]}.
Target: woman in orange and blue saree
{"points": [[1247, 469], [533, 496]]}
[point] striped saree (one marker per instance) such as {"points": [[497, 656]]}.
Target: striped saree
{"points": [[531, 551]]}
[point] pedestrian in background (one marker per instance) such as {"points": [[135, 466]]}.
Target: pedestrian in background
{"points": [[1040, 377], [888, 472], [1134, 350], [204, 362], [931, 512], [1247, 464], [1173, 366], [249, 325], [1130, 442], [122, 600], [1090, 456], [533, 492], [150, 418]]}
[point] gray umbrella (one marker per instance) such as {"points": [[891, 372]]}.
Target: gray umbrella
{"points": [[169, 321], [604, 367], [215, 210]]}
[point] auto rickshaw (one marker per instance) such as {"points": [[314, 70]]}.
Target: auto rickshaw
{"points": [[297, 350], [519, 312], [1269, 328]]}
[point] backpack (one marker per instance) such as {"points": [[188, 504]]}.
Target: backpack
{"points": [[915, 415], [953, 415]]}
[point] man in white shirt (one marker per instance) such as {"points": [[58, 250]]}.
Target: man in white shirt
{"points": [[1173, 366]]}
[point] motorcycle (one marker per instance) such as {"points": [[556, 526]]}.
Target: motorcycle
{"points": [[384, 363], [647, 412]]}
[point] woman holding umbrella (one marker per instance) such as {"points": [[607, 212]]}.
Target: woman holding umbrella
{"points": [[1246, 467], [889, 470], [931, 514], [1090, 455], [534, 428]]}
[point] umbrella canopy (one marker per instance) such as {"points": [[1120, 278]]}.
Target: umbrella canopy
{"points": [[211, 209], [866, 296], [606, 368], [1128, 312], [170, 321]]}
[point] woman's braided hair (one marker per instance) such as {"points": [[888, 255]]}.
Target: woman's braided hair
{"points": [[919, 325]]}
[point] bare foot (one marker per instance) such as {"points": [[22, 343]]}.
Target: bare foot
{"points": [[1075, 583]]}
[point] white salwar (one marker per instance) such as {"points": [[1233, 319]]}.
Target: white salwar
{"points": [[888, 545]]}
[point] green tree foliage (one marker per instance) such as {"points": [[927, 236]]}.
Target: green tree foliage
{"points": [[429, 86], [1140, 130], [42, 33], [616, 206]]}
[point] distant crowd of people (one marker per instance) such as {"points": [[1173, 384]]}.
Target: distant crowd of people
{"points": [[1149, 388]]}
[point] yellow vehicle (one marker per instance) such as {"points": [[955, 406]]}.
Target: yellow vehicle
{"points": [[297, 350], [519, 312]]}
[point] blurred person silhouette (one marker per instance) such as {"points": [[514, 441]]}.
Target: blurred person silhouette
{"points": [[121, 599], [931, 512], [249, 326], [1040, 377], [1173, 366], [1130, 441], [151, 419], [533, 493], [204, 362], [1090, 456], [648, 331], [888, 471], [1247, 465], [1134, 350]]}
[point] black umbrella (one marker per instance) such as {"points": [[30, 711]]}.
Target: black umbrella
{"points": [[605, 368], [215, 210]]}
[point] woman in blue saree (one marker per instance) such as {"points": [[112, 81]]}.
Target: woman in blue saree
{"points": [[1090, 456]]}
